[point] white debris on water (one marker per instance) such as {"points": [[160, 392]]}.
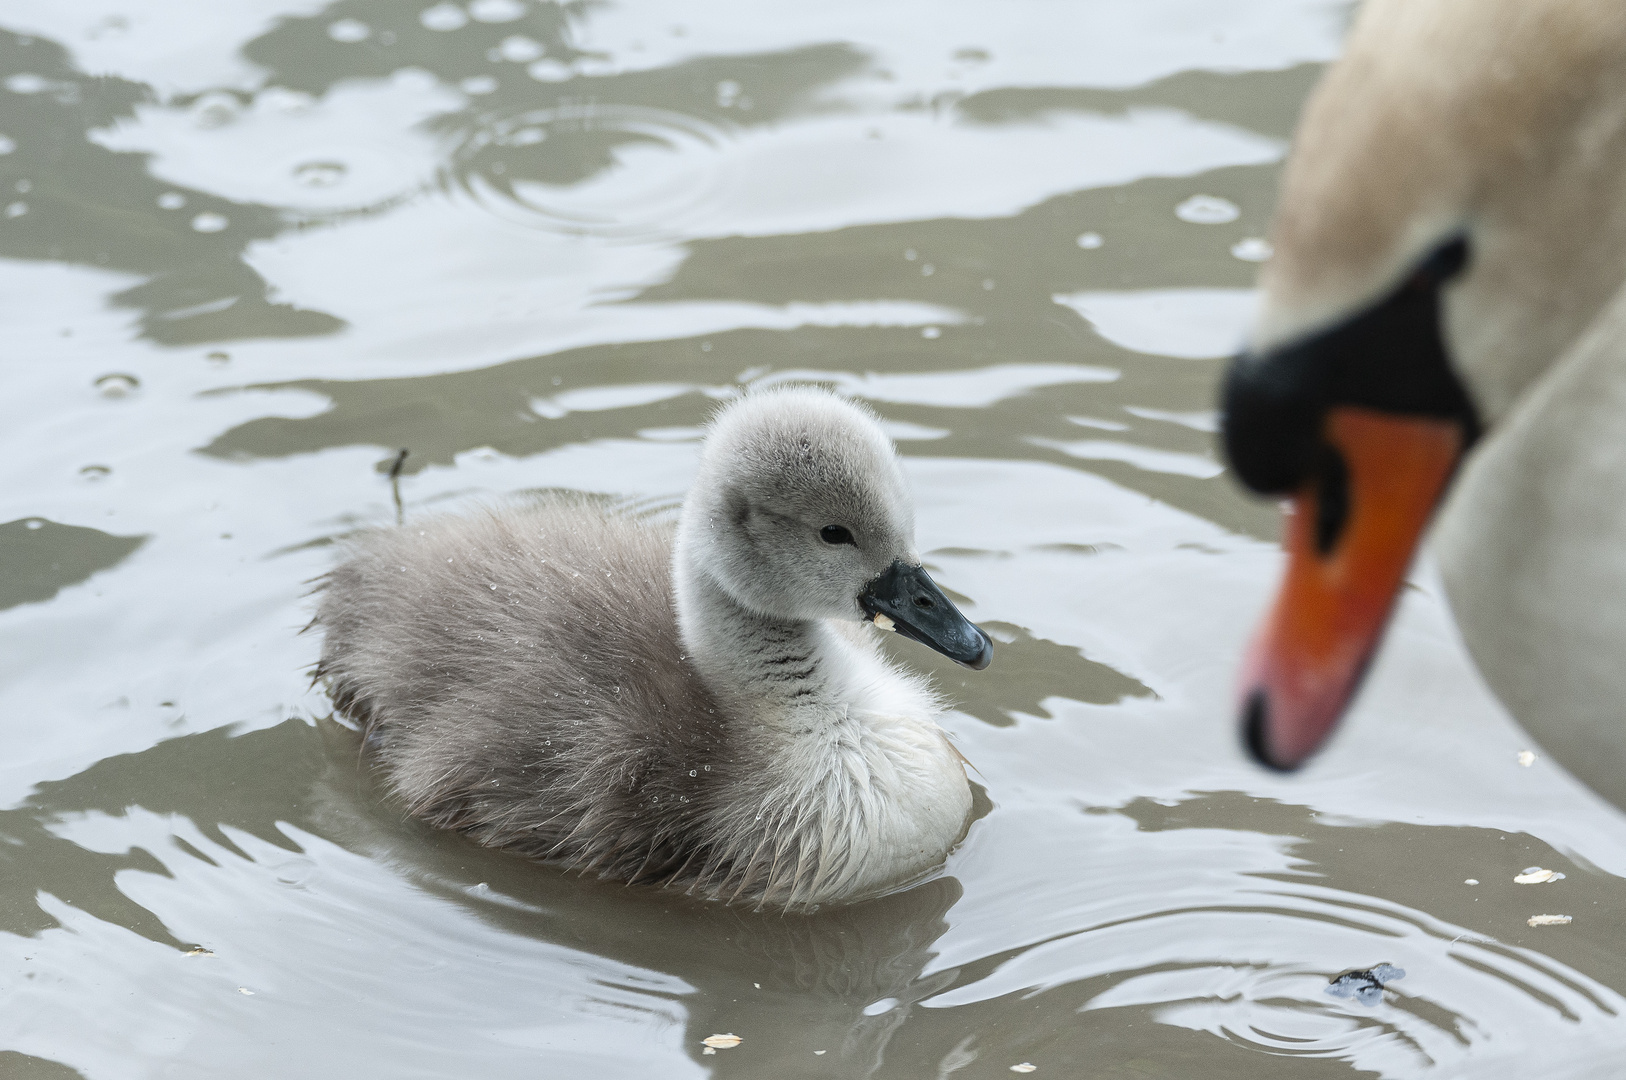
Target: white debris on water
{"points": [[1549, 920], [1252, 249], [1207, 210], [1535, 875]]}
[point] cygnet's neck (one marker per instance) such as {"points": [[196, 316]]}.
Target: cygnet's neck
{"points": [[757, 665], [847, 782]]}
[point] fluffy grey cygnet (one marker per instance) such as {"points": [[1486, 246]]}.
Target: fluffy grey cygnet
{"points": [[705, 710]]}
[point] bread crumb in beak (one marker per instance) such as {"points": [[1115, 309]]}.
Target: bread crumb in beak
{"points": [[885, 623]]}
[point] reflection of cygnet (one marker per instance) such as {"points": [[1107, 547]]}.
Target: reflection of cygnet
{"points": [[569, 683]]}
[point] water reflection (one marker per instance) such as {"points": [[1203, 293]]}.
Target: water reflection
{"points": [[1167, 934], [71, 200], [43, 557], [233, 815]]}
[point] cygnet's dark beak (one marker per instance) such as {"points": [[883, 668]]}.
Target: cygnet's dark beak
{"points": [[907, 600]]}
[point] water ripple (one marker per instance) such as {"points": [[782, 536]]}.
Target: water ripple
{"points": [[597, 169]]}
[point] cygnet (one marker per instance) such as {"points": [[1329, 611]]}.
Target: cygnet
{"points": [[702, 708]]}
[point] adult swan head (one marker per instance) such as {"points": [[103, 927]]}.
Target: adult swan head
{"points": [[1445, 293], [569, 683]]}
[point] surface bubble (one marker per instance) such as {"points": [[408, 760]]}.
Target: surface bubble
{"points": [[319, 174], [26, 82], [7, 144], [1090, 241], [17, 209], [210, 222], [497, 11], [215, 110], [1253, 249], [519, 49], [1207, 210], [549, 70], [349, 31], [285, 100], [171, 200], [117, 385], [443, 17]]}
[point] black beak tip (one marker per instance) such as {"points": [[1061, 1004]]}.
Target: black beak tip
{"points": [[1255, 718], [984, 654], [912, 604]]}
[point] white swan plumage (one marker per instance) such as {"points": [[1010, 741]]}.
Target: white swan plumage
{"points": [[1444, 319]]}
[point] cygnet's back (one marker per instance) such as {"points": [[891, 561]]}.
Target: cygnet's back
{"points": [[519, 675], [531, 676]]}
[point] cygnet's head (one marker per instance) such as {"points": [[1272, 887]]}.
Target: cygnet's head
{"points": [[800, 511]]}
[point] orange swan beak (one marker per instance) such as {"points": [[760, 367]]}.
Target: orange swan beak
{"points": [[1351, 532]]}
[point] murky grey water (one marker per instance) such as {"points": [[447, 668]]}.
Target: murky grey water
{"points": [[248, 250]]}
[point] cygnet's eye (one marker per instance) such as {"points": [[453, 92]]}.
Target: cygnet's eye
{"points": [[837, 534]]}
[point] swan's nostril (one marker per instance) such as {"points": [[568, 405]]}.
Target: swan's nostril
{"points": [[924, 602]]}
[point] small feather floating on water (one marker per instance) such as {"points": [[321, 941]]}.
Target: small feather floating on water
{"points": [[1535, 875], [199, 950], [1526, 758], [722, 1042], [1026, 1066], [1548, 920]]}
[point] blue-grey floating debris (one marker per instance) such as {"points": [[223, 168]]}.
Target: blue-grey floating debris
{"points": [[1365, 987]]}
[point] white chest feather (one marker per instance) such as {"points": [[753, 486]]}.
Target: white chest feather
{"points": [[859, 790]]}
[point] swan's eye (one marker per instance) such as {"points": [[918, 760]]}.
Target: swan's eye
{"points": [[837, 534]]}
